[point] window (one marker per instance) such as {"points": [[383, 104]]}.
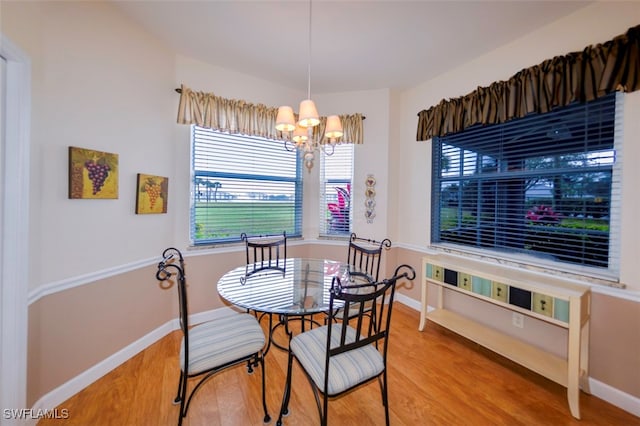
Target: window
{"points": [[242, 184], [545, 185], [336, 174]]}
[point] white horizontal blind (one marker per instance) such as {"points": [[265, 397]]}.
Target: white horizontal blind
{"points": [[616, 192], [242, 184], [543, 185], [336, 175]]}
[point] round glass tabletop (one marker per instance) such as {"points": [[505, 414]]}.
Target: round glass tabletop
{"points": [[299, 287]]}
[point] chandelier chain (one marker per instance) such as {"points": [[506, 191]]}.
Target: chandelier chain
{"points": [[301, 131], [309, 56]]}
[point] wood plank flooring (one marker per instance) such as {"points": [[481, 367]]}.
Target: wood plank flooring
{"points": [[435, 378]]}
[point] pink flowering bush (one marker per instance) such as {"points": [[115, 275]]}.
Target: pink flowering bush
{"points": [[340, 210], [543, 214]]}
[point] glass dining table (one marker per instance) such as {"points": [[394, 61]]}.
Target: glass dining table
{"points": [[297, 289]]}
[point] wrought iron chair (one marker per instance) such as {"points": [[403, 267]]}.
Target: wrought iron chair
{"points": [[213, 346], [365, 254], [265, 251], [339, 357]]}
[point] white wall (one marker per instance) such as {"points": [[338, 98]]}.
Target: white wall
{"points": [[78, 95], [203, 77], [371, 157], [102, 83], [630, 225], [591, 25], [99, 81], [120, 66]]}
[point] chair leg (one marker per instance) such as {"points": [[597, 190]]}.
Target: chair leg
{"points": [[179, 396], [182, 396], [325, 409], [322, 406], [284, 409], [383, 390], [267, 417]]}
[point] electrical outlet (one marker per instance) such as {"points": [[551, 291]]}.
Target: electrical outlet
{"points": [[517, 320]]}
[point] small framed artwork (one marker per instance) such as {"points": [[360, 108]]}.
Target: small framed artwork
{"points": [[152, 194], [92, 174]]}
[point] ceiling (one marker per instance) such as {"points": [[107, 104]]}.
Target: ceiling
{"points": [[355, 45]]}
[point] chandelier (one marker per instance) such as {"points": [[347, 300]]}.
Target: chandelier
{"points": [[304, 137]]}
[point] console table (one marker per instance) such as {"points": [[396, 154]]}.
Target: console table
{"points": [[561, 302]]}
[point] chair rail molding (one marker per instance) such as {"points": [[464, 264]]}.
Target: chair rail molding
{"points": [[77, 281]]}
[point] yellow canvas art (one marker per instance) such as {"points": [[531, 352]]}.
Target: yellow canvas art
{"points": [[152, 194], [92, 174]]}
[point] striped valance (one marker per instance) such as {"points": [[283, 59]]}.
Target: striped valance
{"points": [[579, 76], [241, 117]]}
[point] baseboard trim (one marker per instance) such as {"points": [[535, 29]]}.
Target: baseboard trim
{"points": [[84, 379], [412, 303], [57, 396], [613, 396]]}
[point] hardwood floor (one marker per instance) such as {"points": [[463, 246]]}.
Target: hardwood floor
{"points": [[435, 378]]}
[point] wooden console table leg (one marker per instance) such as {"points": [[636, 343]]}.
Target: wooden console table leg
{"points": [[573, 357], [572, 371], [584, 343], [423, 310]]}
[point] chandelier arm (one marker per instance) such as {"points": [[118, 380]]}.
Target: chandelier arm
{"points": [[308, 119], [289, 146], [325, 151]]}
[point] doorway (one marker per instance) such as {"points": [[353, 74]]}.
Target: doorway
{"points": [[15, 111]]}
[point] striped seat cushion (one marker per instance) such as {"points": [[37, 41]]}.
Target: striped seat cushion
{"points": [[353, 311], [345, 370], [222, 340]]}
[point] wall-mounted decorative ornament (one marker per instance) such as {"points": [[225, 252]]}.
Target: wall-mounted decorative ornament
{"points": [[152, 194], [92, 174], [369, 200]]}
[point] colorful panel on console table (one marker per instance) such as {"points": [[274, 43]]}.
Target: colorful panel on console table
{"points": [[501, 292]]}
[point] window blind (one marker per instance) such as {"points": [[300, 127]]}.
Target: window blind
{"points": [[242, 184], [546, 185], [336, 175]]}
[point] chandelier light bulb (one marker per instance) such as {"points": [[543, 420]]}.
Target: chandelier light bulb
{"points": [[334, 127], [303, 135], [300, 135], [285, 121], [308, 115]]}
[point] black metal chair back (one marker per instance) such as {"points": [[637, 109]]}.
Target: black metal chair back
{"points": [[265, 251], [322, 347], [172, 264], [366, 254]]}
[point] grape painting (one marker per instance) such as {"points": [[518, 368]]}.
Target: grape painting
{"points": [[98, 173], [92, 174], [152, 194]]}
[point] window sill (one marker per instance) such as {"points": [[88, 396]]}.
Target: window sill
{"points": [[522, 261]]}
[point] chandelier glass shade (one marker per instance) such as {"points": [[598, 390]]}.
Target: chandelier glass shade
{"points": [[299, 134]]}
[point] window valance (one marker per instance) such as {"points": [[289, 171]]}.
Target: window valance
{"points": [[578, 76], [238, 116]]}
